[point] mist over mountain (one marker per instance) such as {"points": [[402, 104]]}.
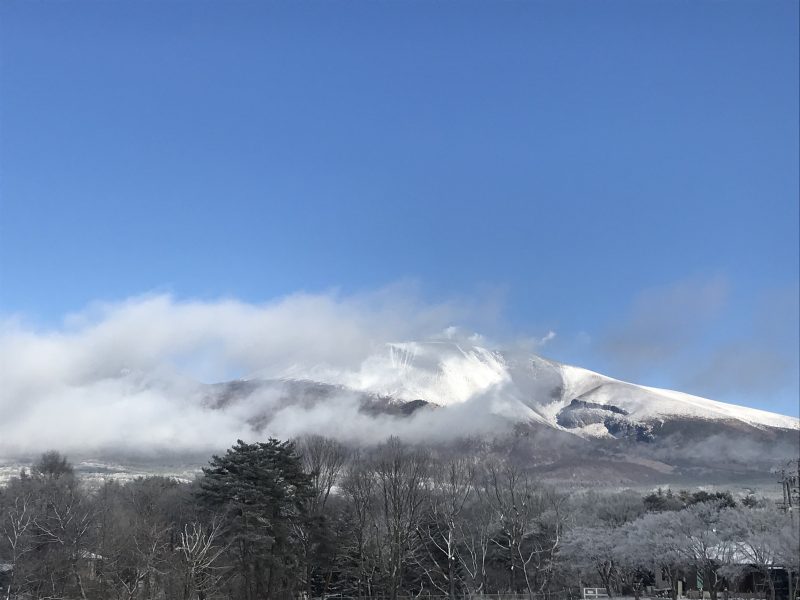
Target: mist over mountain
{"points": [[563, 421], [160, 382]]}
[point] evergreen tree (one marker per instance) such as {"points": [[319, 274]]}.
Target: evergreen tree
{"points": [[260, 490]]}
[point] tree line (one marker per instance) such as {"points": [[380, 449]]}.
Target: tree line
{"points": [[312, 518]]}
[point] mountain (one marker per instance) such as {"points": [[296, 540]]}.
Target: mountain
{"points": [[534, 388], [563, 423], [567, 422]]}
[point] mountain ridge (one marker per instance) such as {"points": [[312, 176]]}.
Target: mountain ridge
{"points": [[449, 373]]}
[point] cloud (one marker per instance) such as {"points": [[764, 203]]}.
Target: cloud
{"points": [[663, 321], [743, 367], [762, 359], [549, 337], [133, 377], [130, 376], [702, 337]]}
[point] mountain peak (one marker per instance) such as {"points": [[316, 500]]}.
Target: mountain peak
{"points": [[448, 372]]}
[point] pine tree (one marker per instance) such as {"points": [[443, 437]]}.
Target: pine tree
{"points": [[260, 490]]}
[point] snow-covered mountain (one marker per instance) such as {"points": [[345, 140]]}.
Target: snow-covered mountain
{"points": [[562, 422], [526, 387], [565, 422]]}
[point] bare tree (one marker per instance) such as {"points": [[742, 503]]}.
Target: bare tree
{"points": [[323, 460], [200, 550], [138, 539], [401, 473], [530, 522], [475, 531], [360, 489], [16, 526], [546, 534], [66, 524], [452, 487]]}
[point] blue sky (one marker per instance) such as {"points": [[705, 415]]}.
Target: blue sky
{"points": [[624, 174]]}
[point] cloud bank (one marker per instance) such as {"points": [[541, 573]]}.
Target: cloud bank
{"points": [[132, 376]]}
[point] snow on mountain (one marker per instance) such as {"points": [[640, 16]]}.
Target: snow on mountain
{"points": [[525, 387], [442, 372], [565, 422], [648, 403]]}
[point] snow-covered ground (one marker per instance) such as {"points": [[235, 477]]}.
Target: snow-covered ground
{"points": [[94, 472]]}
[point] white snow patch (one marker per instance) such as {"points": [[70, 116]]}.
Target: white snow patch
{"points": [[648, 403]]}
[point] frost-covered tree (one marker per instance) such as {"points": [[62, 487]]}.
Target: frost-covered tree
{"points": [[759, 537], [787, 550], [650, 544], [593, 551], [702, 542]]}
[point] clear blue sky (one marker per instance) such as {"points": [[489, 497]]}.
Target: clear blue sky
{"points": [[623, 172]]}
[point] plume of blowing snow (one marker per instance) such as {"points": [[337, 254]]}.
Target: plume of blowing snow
{"points": [[131, 377]]}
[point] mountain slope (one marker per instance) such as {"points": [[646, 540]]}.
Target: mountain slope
{"points": [[447, 373], [630, 433]]}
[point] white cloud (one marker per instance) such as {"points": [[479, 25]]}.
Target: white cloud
{"points": [[549, 337], [127, 376]]}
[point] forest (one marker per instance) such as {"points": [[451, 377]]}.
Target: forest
{"points": [[312, 518]]}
